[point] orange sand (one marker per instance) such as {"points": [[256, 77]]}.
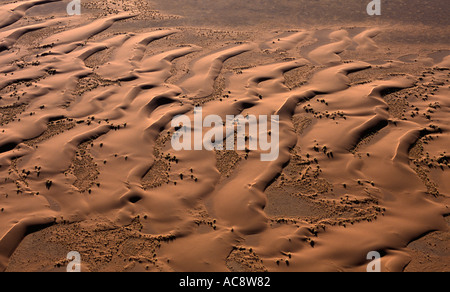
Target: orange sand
{"points": [[86, 163]]}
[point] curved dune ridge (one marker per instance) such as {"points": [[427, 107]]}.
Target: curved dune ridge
{"points": [[86, 162]]}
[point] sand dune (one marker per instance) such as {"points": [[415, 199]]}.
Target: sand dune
{"points": [[13, 12], [86, 162]]}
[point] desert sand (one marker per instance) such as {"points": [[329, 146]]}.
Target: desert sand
{"points": [[86, 163]]}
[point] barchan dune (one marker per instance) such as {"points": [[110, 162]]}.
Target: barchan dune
{"points": [[87, 109]]}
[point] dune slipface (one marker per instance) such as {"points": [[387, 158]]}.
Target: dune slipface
{"points": [[87, 165]]}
